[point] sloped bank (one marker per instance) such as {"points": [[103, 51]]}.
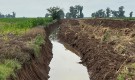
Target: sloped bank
{"points": [[106, 47], [27, 57], [36, 65], [36, 58]]}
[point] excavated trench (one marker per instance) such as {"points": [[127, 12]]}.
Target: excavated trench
{"points": [[65, 66], [105, 47]]}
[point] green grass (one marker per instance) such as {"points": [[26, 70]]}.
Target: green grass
{"points": [[128, 71], [121, 77], [38, 41], [21, 25], [7, 68]]}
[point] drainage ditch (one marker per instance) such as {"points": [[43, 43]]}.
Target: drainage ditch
{"points": [[65, 66]]}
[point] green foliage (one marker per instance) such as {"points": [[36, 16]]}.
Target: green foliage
{"points": [[21, 25], [38, 41], [108, 11], [55, 12], [100, 13], [106, 36], [8, 67], [8, 15], [115, 13], [121, 11], [121, 77], [131, 14], [128, 71], [8, 28], [75, 12]]}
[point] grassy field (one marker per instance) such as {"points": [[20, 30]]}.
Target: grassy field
{"points": [[19, 37]]}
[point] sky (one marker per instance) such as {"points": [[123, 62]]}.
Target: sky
{"points": [[37, 8]]}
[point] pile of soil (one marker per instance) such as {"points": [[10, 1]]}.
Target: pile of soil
{"points": [[97, 51]]}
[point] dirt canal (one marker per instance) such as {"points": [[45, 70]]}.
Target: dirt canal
{"points": [[65, 66]]}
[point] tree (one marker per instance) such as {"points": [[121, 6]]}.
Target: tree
{"points": [[93, 15], [75, 12], [14, 14], [108, 11], [121, 11], [8, 15], [115, 13], [79, 11], [99, 14], [68, 15], [54, 12], [61, 13], [131, 14]]}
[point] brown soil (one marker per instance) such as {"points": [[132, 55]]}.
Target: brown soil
{"points": [[37, 68], [33, 67], [105, 47]]}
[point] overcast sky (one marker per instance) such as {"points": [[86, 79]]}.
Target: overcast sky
{"points": [[37, 8]]}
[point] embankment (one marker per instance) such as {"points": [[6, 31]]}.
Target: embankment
{"points": [[37, 68], [106, 47]]}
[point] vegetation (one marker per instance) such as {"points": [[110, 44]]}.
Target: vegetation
{"points": [[15, 38], [106, 14], [131, 14], [55, 13], [38, 41], [21, 25], [127, 72], [7, 68], [75, 12], [8, 15]]}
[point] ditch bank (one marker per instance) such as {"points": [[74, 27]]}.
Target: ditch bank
{"points": [[106, 47], [36, 67]]}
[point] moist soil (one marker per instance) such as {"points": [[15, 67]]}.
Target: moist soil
{"points": [[105, 46]]}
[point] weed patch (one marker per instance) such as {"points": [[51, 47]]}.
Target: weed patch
{"points": [[8, 67]]}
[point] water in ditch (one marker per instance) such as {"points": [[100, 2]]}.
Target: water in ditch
{"points": [[64, 65]]}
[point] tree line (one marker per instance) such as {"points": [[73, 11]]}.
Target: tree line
{"points": [[13, 15], [120, 13], [57, 13], [77, 12]]}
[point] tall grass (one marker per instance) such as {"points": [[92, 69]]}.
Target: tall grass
{"points": [[7, 68]]}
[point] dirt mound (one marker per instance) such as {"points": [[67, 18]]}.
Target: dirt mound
{"points": [[104, 46]]}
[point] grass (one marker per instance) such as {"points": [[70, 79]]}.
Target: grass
{"points": [[127, 72], [21, 25], [8, 67], [38, 41]]}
